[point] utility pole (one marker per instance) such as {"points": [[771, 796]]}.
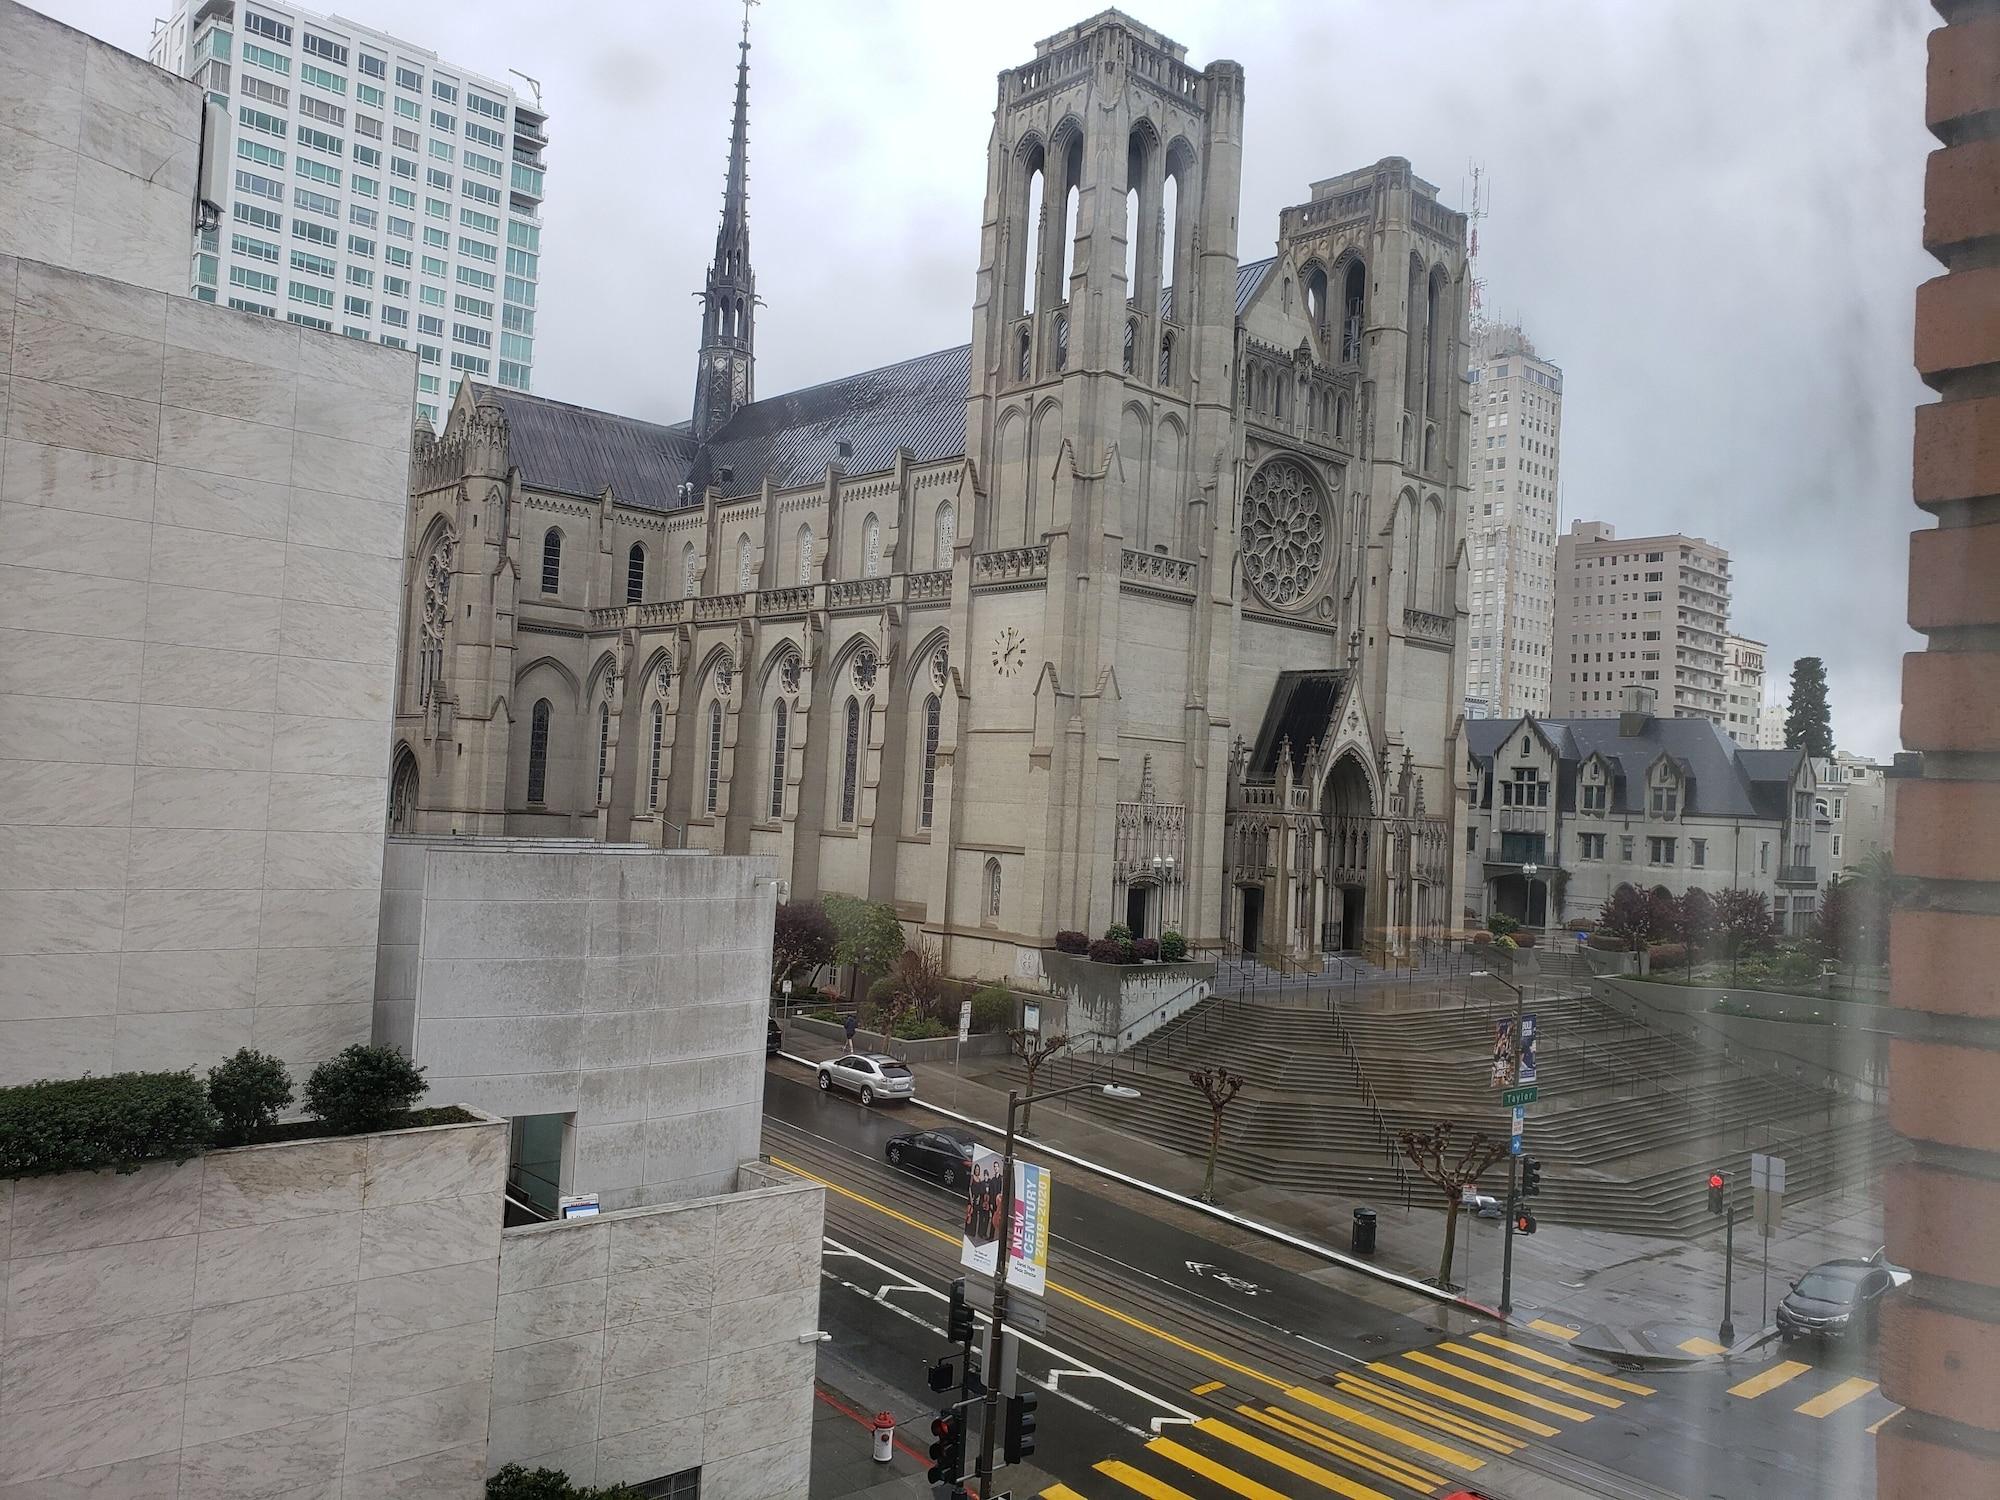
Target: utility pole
{"points": [[1728, 1329], [1513, 1161]]}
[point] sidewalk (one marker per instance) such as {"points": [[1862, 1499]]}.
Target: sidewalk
{"points": [[843, 1461], [1620, 1294]]}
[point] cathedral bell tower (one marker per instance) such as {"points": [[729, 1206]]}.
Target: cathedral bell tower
{"points": [[725, 377]]}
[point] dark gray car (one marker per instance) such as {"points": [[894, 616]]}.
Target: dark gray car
{"points": [[944, 1156], [1837, 1299]]}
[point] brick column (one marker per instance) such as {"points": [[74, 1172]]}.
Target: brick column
{"points": [[1941, 1345]]}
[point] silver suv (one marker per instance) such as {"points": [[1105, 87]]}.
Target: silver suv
{"points": [[869, 1075]]}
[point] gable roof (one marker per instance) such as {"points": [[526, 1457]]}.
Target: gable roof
{"points": [[1727, 781], [1250, 275], [1301, 710]]}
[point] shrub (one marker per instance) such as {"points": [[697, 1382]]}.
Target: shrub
{"points": [[364, 1088], [1107, 951], [882, 992], [1118, 932], [121, 1121], [516, 1483], [920, 1029], [822, 1013], [992, 1009], [1667, 955], [1070, 941], [1524, 937], [1173, 947], [1146, 948], [1482, 937], [247, 1091], [1504, 941], [1502, 925]]}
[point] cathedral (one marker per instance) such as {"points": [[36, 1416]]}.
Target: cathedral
{"points": [[1142, 607]]}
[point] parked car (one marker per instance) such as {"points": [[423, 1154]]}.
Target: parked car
{"points": [[774, 1037], [1837, 1299], [944, 1156], [869, 1075]]}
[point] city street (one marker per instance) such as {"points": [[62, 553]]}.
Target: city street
{"points": [[1181, 1358]]}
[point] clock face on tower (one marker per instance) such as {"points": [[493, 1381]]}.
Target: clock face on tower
{"points": [[1010, 652]]}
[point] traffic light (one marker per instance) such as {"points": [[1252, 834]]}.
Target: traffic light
{"points": [[1524, 1222], [947, 1448], [1531, 1177], [1020, 1434], [940, 1375], [1715, 1186], [958, 1322]]}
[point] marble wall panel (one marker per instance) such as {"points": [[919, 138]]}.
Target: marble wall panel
{"points": [[79, 668], [73, 480]]}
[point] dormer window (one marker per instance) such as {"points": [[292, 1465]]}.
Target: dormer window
{"points": [[1526, 789], [1666, 801], [1595, 799]]}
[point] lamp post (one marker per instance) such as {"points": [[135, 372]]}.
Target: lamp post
{"points": [[1528, 873], [1513, 1161], [990, 1404]]}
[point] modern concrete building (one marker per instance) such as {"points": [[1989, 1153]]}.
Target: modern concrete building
{"points": [[200, 562], [1649, 612], [373, 188], [1150, 533], [1771, 727], [1594, 803], [1743, 691], [1514, 460]]}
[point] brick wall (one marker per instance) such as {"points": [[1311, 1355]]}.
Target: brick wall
{"points": [[1941, 1354]]}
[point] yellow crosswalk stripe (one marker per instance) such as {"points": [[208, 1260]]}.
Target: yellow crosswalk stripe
{"points": [[1140, 1482], [1356, 1452], [1768, 1380], [1553, 1330], [1876, 1425], [1700, 1346], [1417, 1440], [1526, 1352], [1206, 1387], [1213, 1472], [1828, 1402], [1548, 1381], [1291, 1463], [1472, 1377], [1059, 1491], [1470, 1403], [1431, 1416]]}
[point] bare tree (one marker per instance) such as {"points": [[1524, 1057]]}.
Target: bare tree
{"points": [[1218, 1086], [1431, 1150], [1034, 1049]]}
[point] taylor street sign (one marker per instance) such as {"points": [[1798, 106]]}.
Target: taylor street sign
{"points": [[1515, 1098]]}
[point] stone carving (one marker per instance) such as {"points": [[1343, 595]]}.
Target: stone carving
{"points": [[437, 612], [725, 674], [790, 671], [1285, 527], [865, 667]]}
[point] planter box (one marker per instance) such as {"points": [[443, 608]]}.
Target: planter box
{"points": [[1109, 1007], [828, 1036]]}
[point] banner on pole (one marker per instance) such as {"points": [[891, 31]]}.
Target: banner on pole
{"points": [[1503, 1051], [1526, 1072], [979, 1247]]}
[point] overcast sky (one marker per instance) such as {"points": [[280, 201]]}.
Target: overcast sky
{"points": [[1706, 211]]}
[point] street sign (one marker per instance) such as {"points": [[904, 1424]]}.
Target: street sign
{"points": [[1767, 1177], [1767, 1172], [1520, 1120], [1031, 1017], [1525, 1073], [964, 1019], [1515, 1098]]}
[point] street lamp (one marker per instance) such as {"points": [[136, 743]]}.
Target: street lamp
{"points": [[1528, 873], [990, 1403], [1513, 1161]]}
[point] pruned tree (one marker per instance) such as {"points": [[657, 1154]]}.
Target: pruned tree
{"points": [[1218, 1086], [1742, 920], [1809, 719], [802, 940], [1452, 1172], [1034, 1049]]}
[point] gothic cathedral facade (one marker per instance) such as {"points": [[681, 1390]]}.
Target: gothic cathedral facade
{"points": [[1144, 607]]}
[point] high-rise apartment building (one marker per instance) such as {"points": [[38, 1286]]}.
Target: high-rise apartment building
{"points": [[1651, 610], [374, 189], [1771, 726], [1743, 690], [1514, 448]]}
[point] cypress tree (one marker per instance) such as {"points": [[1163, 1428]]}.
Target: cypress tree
{"points": [[1809, 723]]}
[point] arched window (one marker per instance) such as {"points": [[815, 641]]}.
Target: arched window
{"points": [[1353, 295], [653, 765], [806, 553], [603, 752], [779, 715], [403, 792], [850, 762], [713, 788], [1062, 340], [1072, 200], [993, 890], [1024, 357], [538, 754], [1032, 239], [1170, 215], [1166, 359], [746, 565], [437, 613], [1340, 416], [947, 533], [871, 547], [635, 574], [690, 572], [1315, 290], [933, 711], [1131, 341], [552, 562]]}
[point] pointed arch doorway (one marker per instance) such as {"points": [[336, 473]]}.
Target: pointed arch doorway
{"points": [[1347, 808]]}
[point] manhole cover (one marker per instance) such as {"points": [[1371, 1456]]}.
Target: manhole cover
{"points": [[1373, 1338]]}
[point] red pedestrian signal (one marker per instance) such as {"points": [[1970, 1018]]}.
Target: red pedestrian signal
{"points": [[1716, 1183], [1524, 1222]]}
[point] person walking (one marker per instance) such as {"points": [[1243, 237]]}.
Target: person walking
{"points": [[848, 1026]]}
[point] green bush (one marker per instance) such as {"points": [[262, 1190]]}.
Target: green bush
{"points": [[121, 1121], [247, 1091], [1118, 932], [1502, 925], [920, 1029], [882, 992], [365, 1088], [516, 1483], [992, 1009], [1173, 947]]}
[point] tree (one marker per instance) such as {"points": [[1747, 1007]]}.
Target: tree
{"points": [[1742, 920], [1809, 721], [1431, 1150], [1694, 923], [1034, 1049], [1218, 1086], [868, 937], [1855, 909], [1632, 914], [802, 939]]}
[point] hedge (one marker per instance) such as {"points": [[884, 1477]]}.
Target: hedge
{"points": [[1146, 948], [516, 1483], [121, 1121], [1070, 941], [1173, 947], [1107, 951], [992, 1010]]}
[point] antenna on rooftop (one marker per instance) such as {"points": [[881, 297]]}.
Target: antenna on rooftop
{"points": [[1478, 198]]}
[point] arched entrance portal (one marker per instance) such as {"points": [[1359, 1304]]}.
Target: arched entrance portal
{"points": [[403, 792], [1347, 806]]}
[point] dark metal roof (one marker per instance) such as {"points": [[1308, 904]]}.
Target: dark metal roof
{"points": [[575, 451], [1249, 276], [1301, 710], [1723, 780]]}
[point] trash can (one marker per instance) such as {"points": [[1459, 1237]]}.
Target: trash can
{"points": [[1363, 1240], [884, 1427]]}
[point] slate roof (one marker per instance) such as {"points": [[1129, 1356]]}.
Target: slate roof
{"points": [[1726, 781], [1301, 709], [573, 450], [1249, 276]]}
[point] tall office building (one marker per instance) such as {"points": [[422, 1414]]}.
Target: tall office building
{"points": [[1651, 610], [375, 190], [1743, 689], [1514, 449]]}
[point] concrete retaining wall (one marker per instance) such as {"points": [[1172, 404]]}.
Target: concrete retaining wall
{"points": [[1119, 1004], [829, 1038]]}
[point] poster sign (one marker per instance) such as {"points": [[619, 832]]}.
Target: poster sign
{"points": [[964, 1019], [1503, 1051], [582, 1206], [1526, 1072], [1028, 1255]]}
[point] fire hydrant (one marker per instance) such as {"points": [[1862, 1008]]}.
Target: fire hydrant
{"points": [[884, 1428]]}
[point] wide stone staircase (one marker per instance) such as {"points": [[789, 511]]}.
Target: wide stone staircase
{"points": [[1628, 1121]]}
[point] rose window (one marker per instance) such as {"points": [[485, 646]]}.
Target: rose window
{"points": [[1284, 533]]}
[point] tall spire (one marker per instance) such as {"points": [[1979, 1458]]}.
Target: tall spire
{"points": [[725, 376]]}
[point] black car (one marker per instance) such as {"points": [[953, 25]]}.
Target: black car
{"points": [[1837, 1299], [942, 1155], [774, 1037]]}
